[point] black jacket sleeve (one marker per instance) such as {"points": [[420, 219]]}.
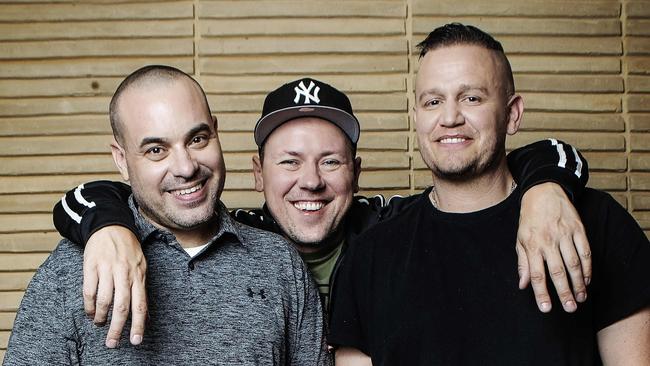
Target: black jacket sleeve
{"points": [[92, 206], [549, 161]]}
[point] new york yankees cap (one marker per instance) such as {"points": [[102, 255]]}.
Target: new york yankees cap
{"points": [[306, 98]]}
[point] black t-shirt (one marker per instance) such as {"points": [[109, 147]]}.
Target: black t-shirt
{"points": [[434, 288]]}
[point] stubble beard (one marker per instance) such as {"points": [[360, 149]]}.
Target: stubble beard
{"points": [[174, 219], [472, 168], [293, 234], [164, 214]]}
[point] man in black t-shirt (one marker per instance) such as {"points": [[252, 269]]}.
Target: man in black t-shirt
{"points": [[435, 286]]}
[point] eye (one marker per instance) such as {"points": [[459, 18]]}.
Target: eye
{"points": [[290, 164], [432, 103], [199, 141], [473, 99], [155, 153], [331, 162]]}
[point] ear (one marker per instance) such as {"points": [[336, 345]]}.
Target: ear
{"points": [[516, 112], [119, 157], [257, 173], [357, 172], [215, 123]]}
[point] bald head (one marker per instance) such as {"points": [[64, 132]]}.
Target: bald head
{"points": [[146, 77]]}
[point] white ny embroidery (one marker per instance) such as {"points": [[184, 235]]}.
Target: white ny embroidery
{"points": [[306, 92]]}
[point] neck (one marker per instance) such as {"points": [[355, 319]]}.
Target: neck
{"points": [[189, 238], [195, 237], [325, 246], [473, 194]]}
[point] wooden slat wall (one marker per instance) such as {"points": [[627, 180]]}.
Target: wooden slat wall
{"points": [[582, 66]]}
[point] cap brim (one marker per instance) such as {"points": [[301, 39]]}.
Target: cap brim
{"points": [[344, 120]]}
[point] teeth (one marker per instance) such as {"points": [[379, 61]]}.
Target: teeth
{"points": [[452, 140], [182, 192], [308, 205]]}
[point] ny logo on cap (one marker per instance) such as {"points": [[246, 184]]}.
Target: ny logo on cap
{"points": [[306, 92]]}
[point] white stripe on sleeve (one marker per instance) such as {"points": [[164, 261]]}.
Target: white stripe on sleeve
{"points": [[578, 171], [560, 152], [81, 199], [73, 215]]}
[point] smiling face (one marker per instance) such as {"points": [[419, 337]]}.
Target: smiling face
{"points": [[309, 177], [171, 155], [462, 112]]}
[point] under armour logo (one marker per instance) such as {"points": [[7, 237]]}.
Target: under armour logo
{"points": [[306, 92], [252, 293]]}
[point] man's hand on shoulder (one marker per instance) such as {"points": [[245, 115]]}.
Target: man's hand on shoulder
{"points": [[550, 230], [115, 271]]}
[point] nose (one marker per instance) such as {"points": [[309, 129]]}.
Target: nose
{"points": [[183, 164], [451, 115], [311, 178]]}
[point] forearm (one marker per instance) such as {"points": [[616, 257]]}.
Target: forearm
{"points": [[549, 161], [550, 230], [92, 206]]}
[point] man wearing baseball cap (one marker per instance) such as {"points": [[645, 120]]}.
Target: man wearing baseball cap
{"points": [[308, 170]]}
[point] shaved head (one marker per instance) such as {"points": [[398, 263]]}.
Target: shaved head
{"points": [[455, 34], [147, 76]]}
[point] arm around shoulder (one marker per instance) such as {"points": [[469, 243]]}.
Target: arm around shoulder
{"points": [[550, 160], [91, 206], [550, 230]]}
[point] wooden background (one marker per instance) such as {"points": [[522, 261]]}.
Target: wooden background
{"points": [[582, 66]]}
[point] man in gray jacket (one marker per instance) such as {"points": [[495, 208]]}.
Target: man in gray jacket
{"points": [[219, 291]]}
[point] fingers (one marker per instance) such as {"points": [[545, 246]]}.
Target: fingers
{"points": [[584, 252], [538, 282], [104, 296], [560, 280], [115, 272], [90, 282], [573, 266], [121, 304], [522, 266], [550, 230], [138, 309], [559, 262]]}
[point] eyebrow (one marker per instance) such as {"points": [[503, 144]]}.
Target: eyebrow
{"points": [[152, 140], [323, 154], [465, 87], [462, 89], [201, 127], [427, 92]]}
